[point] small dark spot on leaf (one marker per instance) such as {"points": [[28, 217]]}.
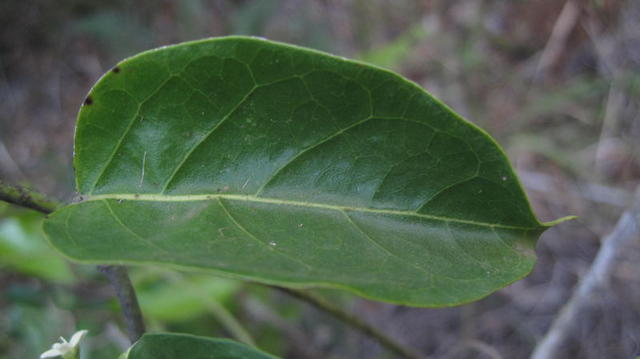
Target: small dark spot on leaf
{"points": [[136, 195], [88, 101], [116, 70]]}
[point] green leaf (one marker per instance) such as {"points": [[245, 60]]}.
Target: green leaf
{"points": [[172, 346], [283, 165], [392, 54], [184, 297], [23, 249]]}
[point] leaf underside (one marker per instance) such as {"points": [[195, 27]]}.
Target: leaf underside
{"points": [[288, 166], [172, 346]]}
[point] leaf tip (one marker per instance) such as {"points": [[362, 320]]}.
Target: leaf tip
{"points": [[559, 220]]}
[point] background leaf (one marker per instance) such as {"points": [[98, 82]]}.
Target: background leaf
{"points": [[283, 165], [23, 248], [171, 346], [178, 297]]}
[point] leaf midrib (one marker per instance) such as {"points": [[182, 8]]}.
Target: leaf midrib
{"points": [[277, 201]]}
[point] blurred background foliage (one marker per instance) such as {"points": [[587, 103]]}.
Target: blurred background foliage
{"points": [[556, 82]]}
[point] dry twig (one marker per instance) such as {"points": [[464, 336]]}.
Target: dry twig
{"points": [[626, 232], [557, 43]]}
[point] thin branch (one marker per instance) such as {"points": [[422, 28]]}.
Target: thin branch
{"points": [[117, 275], [23, 197], [119, 278], [358, 324], [222, 315], [229, 322], [626, 232], [300, 344], [564, 26]]}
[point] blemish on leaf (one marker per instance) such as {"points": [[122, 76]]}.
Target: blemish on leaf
{"points": [[88, 101], [144, 159], [116, 70]]}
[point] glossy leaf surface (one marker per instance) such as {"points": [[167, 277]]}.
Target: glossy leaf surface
{"points": [[283, 165], [173, 346]]}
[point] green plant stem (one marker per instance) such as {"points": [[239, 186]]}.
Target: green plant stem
{"points": [[356, 323], [224, 316], [230, 322], [119, 278], [25, 198], [118, 275]]}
